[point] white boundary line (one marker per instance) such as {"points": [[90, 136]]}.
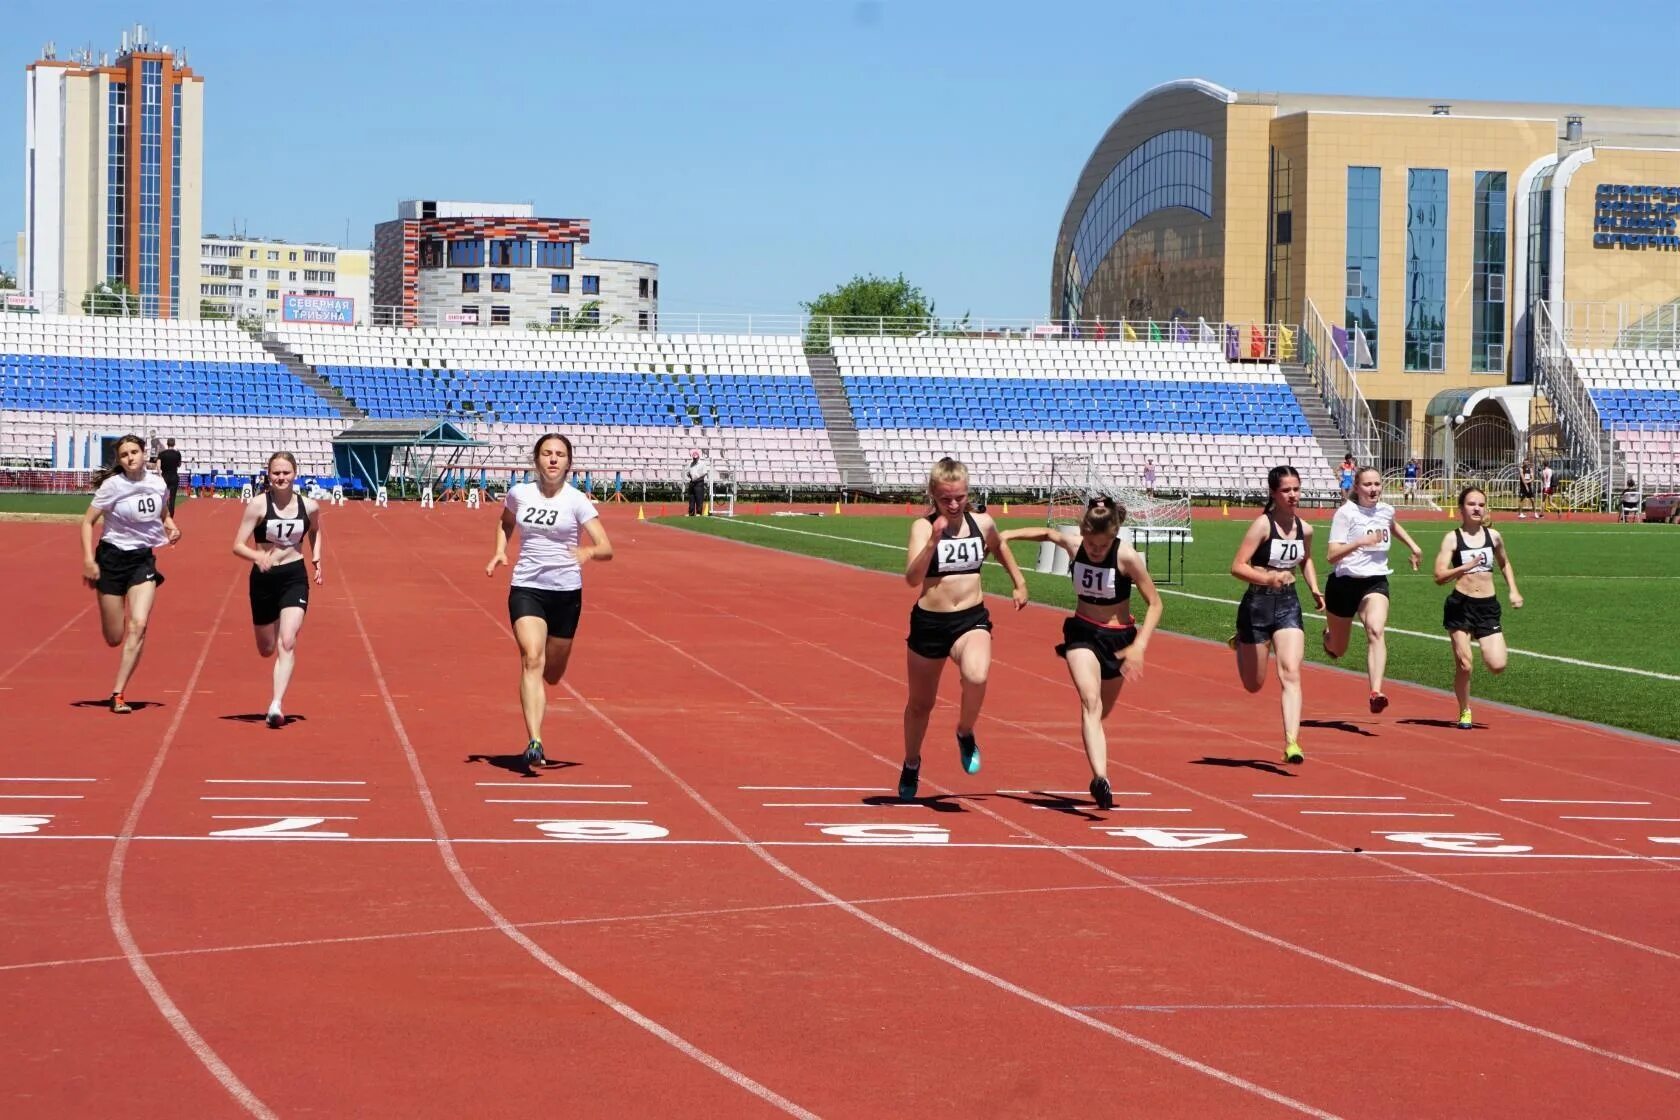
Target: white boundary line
{"points": [[1174, 900], [446, 851], [119, 919], [763, 853], [1233, 602], [47, 641]]}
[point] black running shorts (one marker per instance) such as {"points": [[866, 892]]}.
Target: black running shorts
{"points": [[560, 609], [123, 568], [933, 633]]}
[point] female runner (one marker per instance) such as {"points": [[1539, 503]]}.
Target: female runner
{"points": [[1277, 542], [1101, 642], [1471, 614], [545, 598], [949, 620], [276, 525], [133, 506], [1358, 587]]}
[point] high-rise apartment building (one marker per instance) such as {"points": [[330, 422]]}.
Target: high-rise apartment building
{"points": [[245, 277], [113, 172]]}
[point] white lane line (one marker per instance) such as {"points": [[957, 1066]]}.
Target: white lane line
{"points": [[1357, 813], [1656, 820], [285, 799], [49, 779], [272, 817], [551, 820], [1563, 801], [116, 913], [283, 782], [445, 847], [1233, 603], [842, 804], [552, 801], [1336, 796], [40, 797], [813, 789], [1081, 793], [1116, 809], [553, 785], [1110, 849]]}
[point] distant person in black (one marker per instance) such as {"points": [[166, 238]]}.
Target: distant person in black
{"points": [[169, 462]]}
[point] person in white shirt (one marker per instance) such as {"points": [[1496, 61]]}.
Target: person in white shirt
{"points": [[1358, 586], [699, 468], [131, 507], [545, 599]]}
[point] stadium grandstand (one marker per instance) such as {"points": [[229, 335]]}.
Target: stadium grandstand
{"points": [[639, 403]]}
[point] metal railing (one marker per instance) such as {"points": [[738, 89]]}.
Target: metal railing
{"points": [[1578, 419], [1586, 325], [1339, 388]]}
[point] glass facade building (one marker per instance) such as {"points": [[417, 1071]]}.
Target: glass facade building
{"points": [[1488, 274], [1362, 296], [1426, 269]]}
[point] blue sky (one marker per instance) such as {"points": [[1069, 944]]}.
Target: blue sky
{"points": [[763, 151]]}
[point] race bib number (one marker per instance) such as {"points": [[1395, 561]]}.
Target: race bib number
{"points": [[1482, 558], [1286, 554], [142, 507], [1380, 544], [538, 517], [963, 554], [1093, 582], [285, 531]]}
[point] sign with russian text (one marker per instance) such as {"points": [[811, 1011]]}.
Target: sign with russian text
{"points": [[1636, 217], [338, 311]]}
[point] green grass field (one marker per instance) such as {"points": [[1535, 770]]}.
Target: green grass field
{"points": [[44, 503], [1594, 591]]}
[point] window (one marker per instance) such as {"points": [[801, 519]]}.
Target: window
{"points": [[292, 256], [590, 316], [250, 293], [274, 274], [469, 281], [1426, 269], [292, 275], [641, 320], [1487, 275], [510, 254], [318, 276], [469, 313], [274, 293], [253, 254], [591, 285], [501, 281], [501, 315], [560, 284], [466, 254], [656, 287], [558, 316], [1363, 262], [554, 254], [274, 254], [642, 287], [1172, 168]]}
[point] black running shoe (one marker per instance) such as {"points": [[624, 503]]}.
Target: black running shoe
{"points": [[907, 778], [1101, 793], [534, 754], [970, 752]]}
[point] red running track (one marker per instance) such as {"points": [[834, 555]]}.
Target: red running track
{"points": [[713, 907]]}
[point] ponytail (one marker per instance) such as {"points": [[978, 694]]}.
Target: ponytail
{"points": [[1102, 515]]}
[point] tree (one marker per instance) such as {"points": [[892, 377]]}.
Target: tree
{"points": [[7, 280], [210, 309], [113, 297], [868, 305]]}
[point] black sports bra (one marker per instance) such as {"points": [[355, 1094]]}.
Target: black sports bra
{"points": [[1278, 551], [954, 555], [1464, 552], [283, 532], [1099, 583]]}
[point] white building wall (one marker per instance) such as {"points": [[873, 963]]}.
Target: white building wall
{"points": [[532, 300], [42, 271]]}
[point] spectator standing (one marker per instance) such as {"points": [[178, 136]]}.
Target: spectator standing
{"points": [[699, 468], [169, 464], [1149, 477]]}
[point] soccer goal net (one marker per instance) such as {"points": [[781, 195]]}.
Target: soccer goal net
{"points": [[1156, 525]]}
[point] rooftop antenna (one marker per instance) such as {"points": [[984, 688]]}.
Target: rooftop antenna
{"points": [[50, 51]]}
